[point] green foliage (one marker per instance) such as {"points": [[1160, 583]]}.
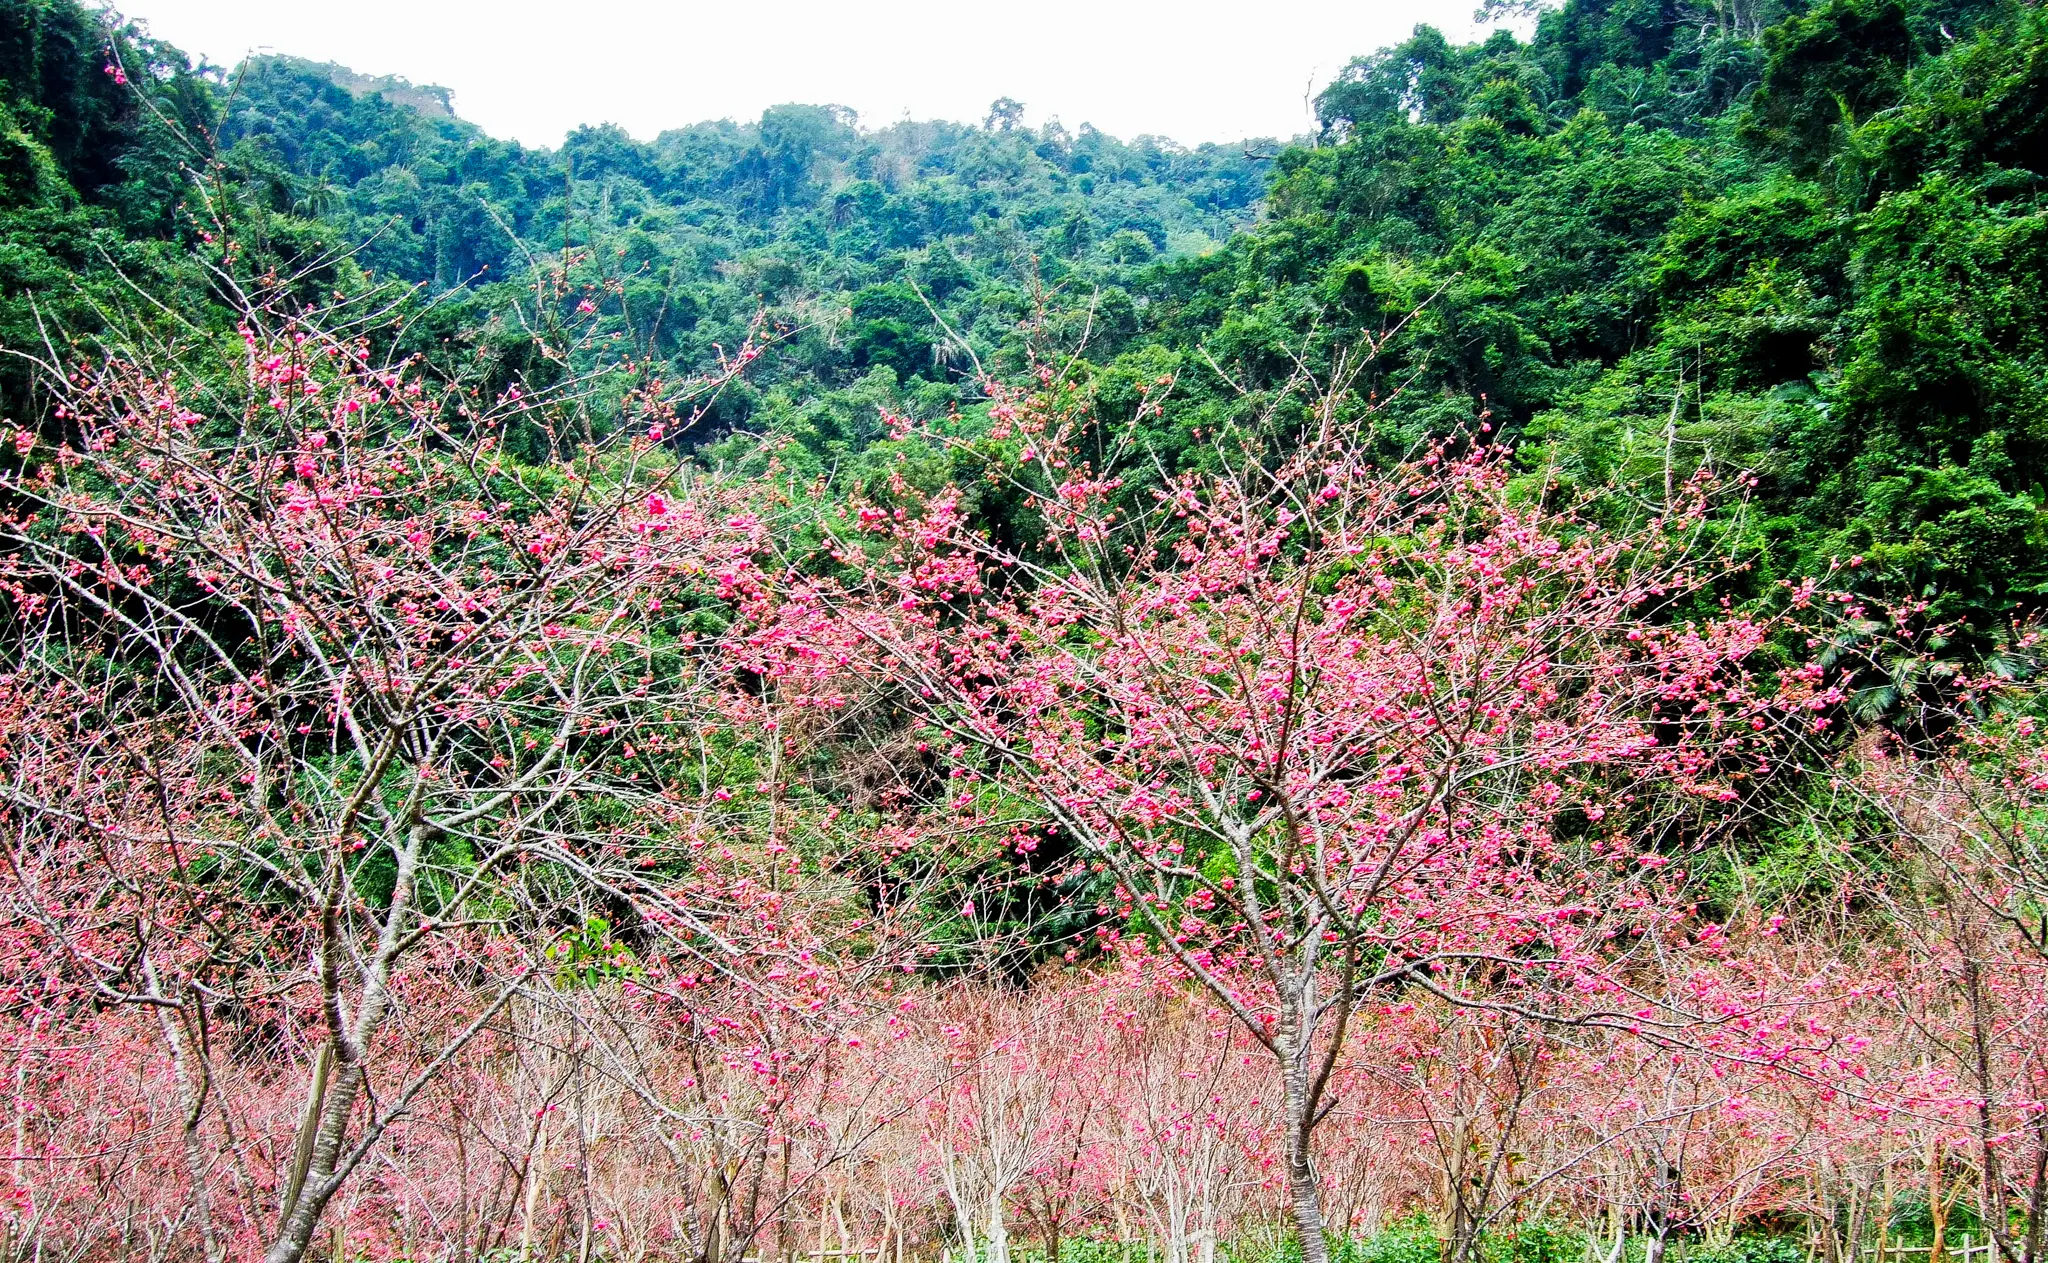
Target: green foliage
{"points": [[89, 180], [1803, 243], [1749, 1250], [590, 954], [915, 248], [1807, 241], [1412, 1241], [1827, 71]]}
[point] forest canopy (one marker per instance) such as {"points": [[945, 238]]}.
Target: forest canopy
{"points": [[1803, 241]]}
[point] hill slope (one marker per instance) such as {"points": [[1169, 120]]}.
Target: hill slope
{"points": [[1805, 240]]}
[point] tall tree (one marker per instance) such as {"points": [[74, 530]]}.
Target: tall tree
{"points": [[1329, 728]]}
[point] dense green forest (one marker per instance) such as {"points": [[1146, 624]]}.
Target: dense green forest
{"points": [[1809, 242]]}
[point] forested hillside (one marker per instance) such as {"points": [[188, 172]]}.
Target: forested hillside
{"points": [[848, 239], [1807, 243], [1464, 687]]}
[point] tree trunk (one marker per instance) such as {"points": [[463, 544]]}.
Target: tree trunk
{"points": [[2037, 1199], [1851, 1244], [309, 1125], [191, 1098], [1884, 1219], [998, 1232], [1937, 1204], [1304, 1197], [1457, 1223], [295, 1237]]}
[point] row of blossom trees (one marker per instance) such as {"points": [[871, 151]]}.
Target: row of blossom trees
{"points": [[978, 1122], [418, 850]]}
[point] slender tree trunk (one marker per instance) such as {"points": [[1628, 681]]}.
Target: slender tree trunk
{"points": [[1662, 1216], [192, 1092], [583, 1158], [2037, 1201], [1617, 1221], [296, 1235], [328, 1168], [1937, 1205], [1457, 1223], [714, 1237], [1884, 1219], [530, 1195], [1620, 1250], [309, 1126], [998, 1232], [1852, 1235], [1993, 1208], [1304, 1197]]}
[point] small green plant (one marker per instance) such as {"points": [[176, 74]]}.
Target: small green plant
{"points": [[589, 955]]}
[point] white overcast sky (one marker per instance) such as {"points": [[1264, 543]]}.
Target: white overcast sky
{"points": [[1193, 71]]}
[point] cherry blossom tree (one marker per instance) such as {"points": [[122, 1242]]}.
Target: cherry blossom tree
{"points": [[1326, 727], [317, 693], [1965, 805]]}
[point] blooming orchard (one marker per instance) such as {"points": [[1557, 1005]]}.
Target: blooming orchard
{"points": [[421, 850]]}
